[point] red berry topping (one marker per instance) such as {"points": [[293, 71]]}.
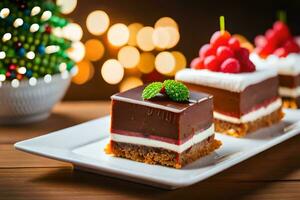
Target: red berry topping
{"points": [[206, 50], [224, 52], [247, 66], [212, 63], [271, 36], [260, 41], [220, 38], [197, 63], [281, 52], [291, 46], [282, 30], [242, 54], [231, 65], [234, 43]]}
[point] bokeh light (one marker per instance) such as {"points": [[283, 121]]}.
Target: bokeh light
{"points": [[180, 62], [77, 51], [129, 56], [165, 62], [67, 6], [129, 83], [112, 71], [72, 32], [161, 37], [133, 30], [97, 22], [85, 72], [144, 38], [166, 22], [118, 34], [174, 36], [94, 49], [133, 72], [146, 64]]}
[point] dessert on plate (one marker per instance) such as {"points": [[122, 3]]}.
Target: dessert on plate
{"points": [[245, 99], [278, 49], [162, 123]]}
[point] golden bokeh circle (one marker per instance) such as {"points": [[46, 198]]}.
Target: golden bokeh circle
{"points": [[94, 49], [144, 38], [97, 22], [146, 64], [129, 56]]}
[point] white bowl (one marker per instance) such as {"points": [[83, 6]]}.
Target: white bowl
{"points": [[27, 103]]}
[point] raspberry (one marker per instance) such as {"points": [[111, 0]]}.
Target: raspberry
{"points": [[206, 50], [197, 63], [230, 65], [281, 52], [260, 41], [224, 52], [219, 38], [247, 66], [234, 43], [212, 63]]}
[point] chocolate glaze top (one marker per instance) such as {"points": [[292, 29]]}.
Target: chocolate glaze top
{"points": [[161, 101]]}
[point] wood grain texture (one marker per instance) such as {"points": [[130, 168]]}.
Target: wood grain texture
{"points": [[273, 174]]}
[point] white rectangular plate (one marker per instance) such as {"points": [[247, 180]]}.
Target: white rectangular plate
{"points": [[83, 145]]}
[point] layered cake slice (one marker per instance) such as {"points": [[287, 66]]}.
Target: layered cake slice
{"points": [[279, 50], [162, 130], [245, 100]]}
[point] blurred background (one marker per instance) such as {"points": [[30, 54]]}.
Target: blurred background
{"points": [[125, 43]]}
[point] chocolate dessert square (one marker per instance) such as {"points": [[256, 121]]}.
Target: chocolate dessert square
{"points": [[243, 102], [162, 131], [289, 90]]}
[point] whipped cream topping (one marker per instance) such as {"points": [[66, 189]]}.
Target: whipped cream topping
{"points": [[251, 116], [289, 92], [198, 137], [225, 81], [289, 65]]}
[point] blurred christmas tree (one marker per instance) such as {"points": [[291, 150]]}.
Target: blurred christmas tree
{"points": [[31, 43]]}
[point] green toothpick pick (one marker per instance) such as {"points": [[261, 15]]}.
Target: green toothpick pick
{"points": [[222, 24], [282, 15]]}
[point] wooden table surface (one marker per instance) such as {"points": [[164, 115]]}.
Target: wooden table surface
{"points": [[273, 174]]}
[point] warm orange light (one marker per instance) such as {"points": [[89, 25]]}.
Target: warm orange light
{"points": [[133, 30], [165, 62], [166, 22], [118, 34], [66, 6], [85, 72], [112, 71], [144, 39], [180, 62], [129, 83], [146, 64], [97, 22], [94, 49], [129, 56]]}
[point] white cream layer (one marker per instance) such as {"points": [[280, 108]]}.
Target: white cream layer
{"points": [[289, 92], [225, 81], [198, 137], [289, 65], [251, 116]]}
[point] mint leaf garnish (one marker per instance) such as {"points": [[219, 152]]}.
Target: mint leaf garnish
{"points": [[152, 90]]}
